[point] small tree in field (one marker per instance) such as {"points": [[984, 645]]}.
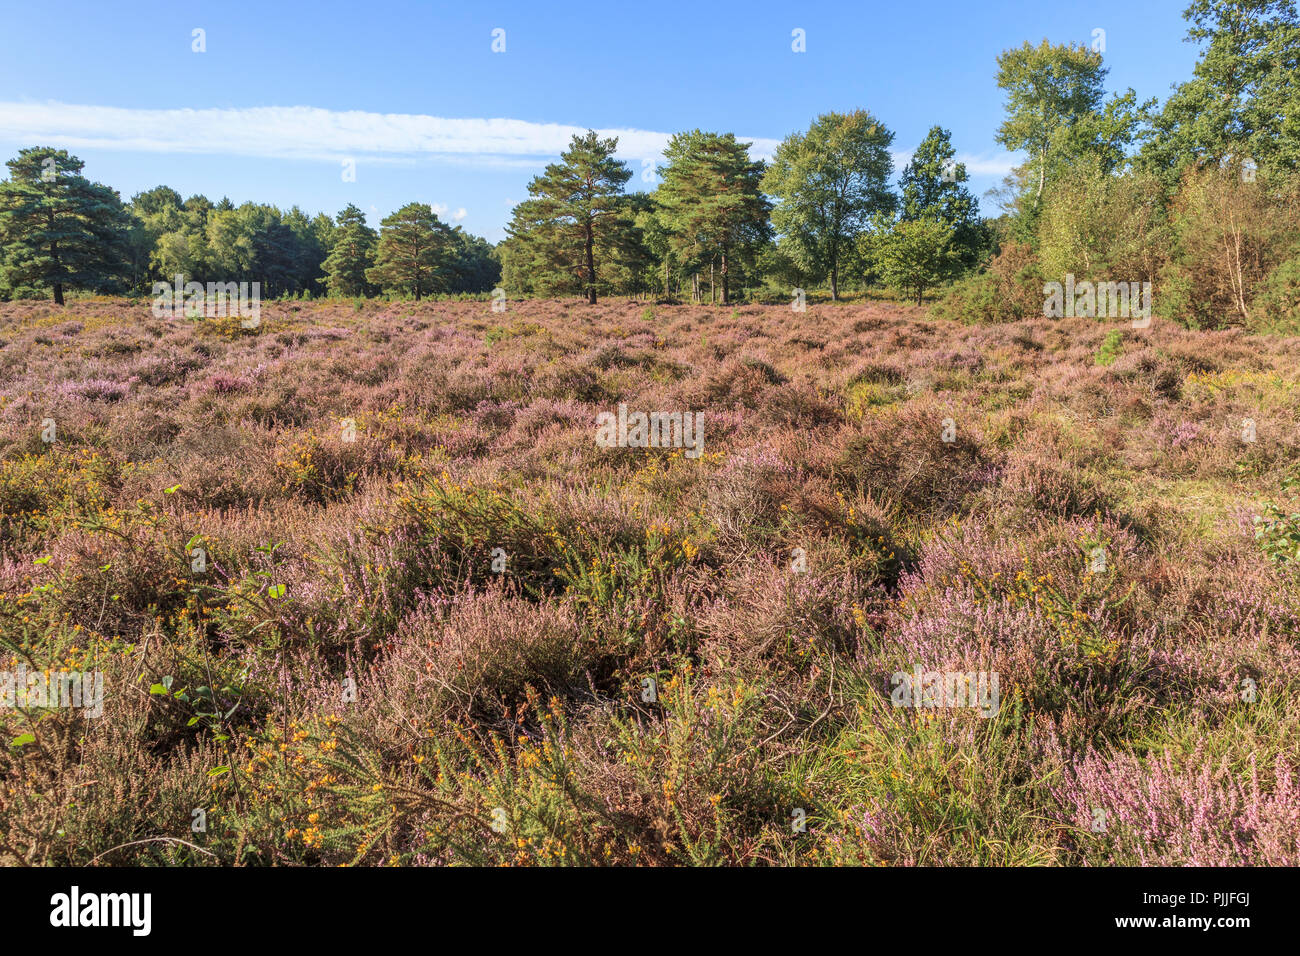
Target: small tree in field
{"points": [[353, 255], [59, 229], [413, 254], [576, 218], [915, 256]]}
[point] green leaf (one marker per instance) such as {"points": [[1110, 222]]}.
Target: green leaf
{"points": [[218, 771], [163, 687], [172, 490], [22, 740]]}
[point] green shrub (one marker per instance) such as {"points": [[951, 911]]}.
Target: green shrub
{"points": [[1110, 348]]}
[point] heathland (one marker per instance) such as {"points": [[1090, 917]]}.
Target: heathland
{"points": [[363, 587]]}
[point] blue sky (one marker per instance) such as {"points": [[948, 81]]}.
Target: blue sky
{"points": [[413, 93]]}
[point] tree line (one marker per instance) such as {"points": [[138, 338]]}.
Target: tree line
{"points": [[1199, 196], [61, 231], [821, 210]]}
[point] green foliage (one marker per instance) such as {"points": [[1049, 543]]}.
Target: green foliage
{"points": [[59, 230], [1110, 348], [414, 253], [1096, 225], [711, 203], [1229, 236], [352, 255], [828, 183], [1278, 533], [1242, 100], [1277, 306], [932, 185], [577, 219], [1049, 88], [1008, 289], [916, 256], [203, 242]]}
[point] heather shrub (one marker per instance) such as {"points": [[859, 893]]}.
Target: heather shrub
{"points": [[900, 456], [472, 656], [774, 612], [1192, 802], [461, 631]]}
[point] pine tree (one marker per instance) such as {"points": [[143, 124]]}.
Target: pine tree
{"points": [[353, 255], [414, 252], [712, 203], [59, 229], [576, 217]]}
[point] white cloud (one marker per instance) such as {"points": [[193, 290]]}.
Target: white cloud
{"points": [[441, 210], [305, 132], [998, 164]]}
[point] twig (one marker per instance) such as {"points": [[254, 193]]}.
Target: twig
{"points": [[161, 839]]}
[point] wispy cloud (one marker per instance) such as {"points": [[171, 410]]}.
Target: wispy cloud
{"points": [[981, 164], [305, 132], [443, 211]]}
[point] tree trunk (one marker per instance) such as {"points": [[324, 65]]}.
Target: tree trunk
{"points": [[665, 277], [54, 257], [713, 297], [695, 287], [724, 279], [591, 265], [835, 281], [1042, 174]]}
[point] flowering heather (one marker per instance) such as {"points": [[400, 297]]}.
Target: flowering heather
{"points": [[363, 584]]}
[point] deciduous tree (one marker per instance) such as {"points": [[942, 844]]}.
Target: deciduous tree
{"points": [[828, 183]]}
